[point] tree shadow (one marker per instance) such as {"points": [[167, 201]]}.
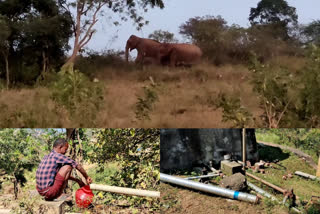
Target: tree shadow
{"points": [[272, 154]]}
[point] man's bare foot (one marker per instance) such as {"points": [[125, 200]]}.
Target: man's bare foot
{"points": [[64, 197]]}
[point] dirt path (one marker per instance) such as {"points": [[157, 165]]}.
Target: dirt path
{"points": [[297, 152]]}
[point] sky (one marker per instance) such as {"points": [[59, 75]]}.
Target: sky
{"points": [[177, 12]]}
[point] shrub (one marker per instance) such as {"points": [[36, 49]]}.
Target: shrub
{"points": [[310, 97], [233, 111], [271, 83], [94, 61], [81, 97], [145, 104]]}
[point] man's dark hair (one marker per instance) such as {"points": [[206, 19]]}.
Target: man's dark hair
{"points": [[59, 142]]}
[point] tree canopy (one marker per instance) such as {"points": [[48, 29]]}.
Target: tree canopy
{"points": [[87, 14], [312, 32], [39, 36], [163, 36], [273, 11], [276, 13]]}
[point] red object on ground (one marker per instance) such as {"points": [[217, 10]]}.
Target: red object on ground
{"points": [[84, 196]]}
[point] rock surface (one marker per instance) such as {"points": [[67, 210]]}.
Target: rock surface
{"points": [[235, 182]]}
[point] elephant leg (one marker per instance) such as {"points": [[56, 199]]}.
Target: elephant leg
{"points": [[173, 59], [139, 58]]}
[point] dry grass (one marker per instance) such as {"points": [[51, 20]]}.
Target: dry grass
{"points": [[185, 95], [30, 108], [186, 98]]}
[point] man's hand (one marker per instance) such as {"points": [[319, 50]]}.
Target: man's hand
{"points": [[89, 180], [81, 184]]}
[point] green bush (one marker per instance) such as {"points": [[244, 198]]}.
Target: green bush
{"points": [[233, 111], [145, 104], [81, 97], [137, 154], [272, 85], [310, 97], [95, 61]]}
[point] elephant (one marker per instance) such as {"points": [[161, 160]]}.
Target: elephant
{"points": [[178, 54], [147, 48]]}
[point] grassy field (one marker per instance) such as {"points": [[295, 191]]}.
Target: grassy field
{"points": [[273, 138], [175, 199], [186, 98]]}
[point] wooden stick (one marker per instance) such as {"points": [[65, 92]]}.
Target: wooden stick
{"points": [[318, 170], [267, 183]]}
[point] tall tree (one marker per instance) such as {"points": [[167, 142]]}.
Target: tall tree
{"points": [[87, 13], [312, 32], [274, 12], [4, 45], [40, 32], [218, 41], [163, 36]]}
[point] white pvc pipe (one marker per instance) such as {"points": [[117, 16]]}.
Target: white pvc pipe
{"points": [[209, 188], [312, 177], [261, 191], [126, 191], [202, 176]]}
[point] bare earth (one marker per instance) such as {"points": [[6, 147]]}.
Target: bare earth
{"points": [[180, 200]]}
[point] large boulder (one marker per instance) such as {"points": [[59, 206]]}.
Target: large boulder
{"points": [[235, 182]]}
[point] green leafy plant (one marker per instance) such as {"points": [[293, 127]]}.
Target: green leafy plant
{"points": [[145, 103], [233, 111], [81, 97], [310, 96], [19, 152], [137, 154], [271, 84]]}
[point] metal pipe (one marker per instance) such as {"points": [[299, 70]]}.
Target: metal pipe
{"points": [[244, 147], [201, 176], [209, 188], [261, 191], [123, 190], [302, 174], [267, 183]]}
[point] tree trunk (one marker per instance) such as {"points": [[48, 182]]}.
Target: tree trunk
{"points": [[7, 71], [15, 188], [44, 65], [80, 151], [70, 135], [318, 170], [5, 56], [71, 60], [88, 32], [76, 46]]}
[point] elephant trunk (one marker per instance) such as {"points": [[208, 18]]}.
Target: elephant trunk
{"points": [[127, 53]]}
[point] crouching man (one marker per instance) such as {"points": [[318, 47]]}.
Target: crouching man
{"points": [[54, 171]]}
